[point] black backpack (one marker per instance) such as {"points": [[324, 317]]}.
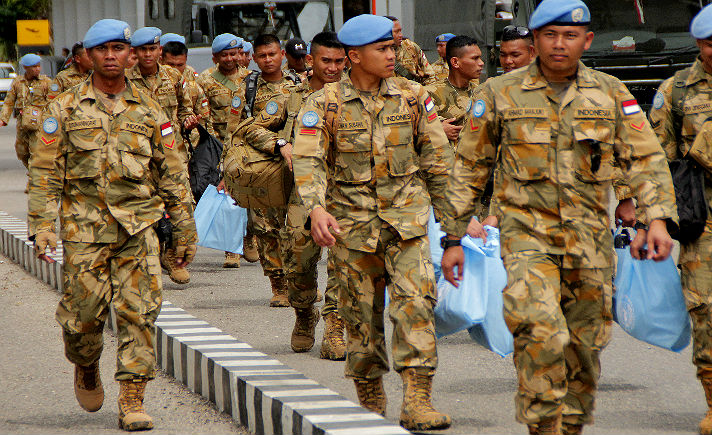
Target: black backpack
{"points": [[203, 167]]}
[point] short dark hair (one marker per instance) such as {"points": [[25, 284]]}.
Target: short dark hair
{"points": [[325, 39], [175, 48], [392, 18], [77, 48], [265, 39], [512, 33], [455, 45]]}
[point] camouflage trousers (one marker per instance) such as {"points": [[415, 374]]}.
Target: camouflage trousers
{"points": [[22, 144], [266, 225], [125, 275], [405, 267], [301, 255], [696, 267], [561, 321]]}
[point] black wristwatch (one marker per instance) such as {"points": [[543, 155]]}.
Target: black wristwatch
{"points": [[640, 226], [448, 243]]}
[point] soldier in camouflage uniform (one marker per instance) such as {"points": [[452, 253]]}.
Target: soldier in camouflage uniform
{"points": [[302, 254], [107, 156], [411, 62], [369, 156], [273, 85], [26, 98], [441, 69], [516, 49], [553, 133], [77, 72], [224, 88], [679, 114]]}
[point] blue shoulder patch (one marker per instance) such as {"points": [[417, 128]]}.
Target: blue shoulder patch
{"points": [[310, 119], [54, 87], [50, 125], [658, 101], [480, 108], [236, 101], [271, 108]]}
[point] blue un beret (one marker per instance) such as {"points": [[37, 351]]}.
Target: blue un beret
{"points": [[365, 29], [445, 37], [107, 30], [564, 12], [225, 41], [146, 35], [171, 37], [30, 60], [246, 47], [701, 27]]}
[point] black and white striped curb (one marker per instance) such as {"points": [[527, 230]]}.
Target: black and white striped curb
{"points": [[258, 391]]}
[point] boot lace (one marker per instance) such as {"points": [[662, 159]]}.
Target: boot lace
{"points": [[132, 399]]}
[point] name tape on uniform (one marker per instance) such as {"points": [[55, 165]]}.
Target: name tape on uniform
{"points": [[83, 123], [397, 118]]}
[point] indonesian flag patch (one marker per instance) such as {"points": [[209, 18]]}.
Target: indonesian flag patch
{"points": [[429, 104], [166, 129], [630, 107]]}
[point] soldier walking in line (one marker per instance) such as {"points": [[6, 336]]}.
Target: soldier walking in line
{"points": [[76, 73], [441, 69], [555, 134], [106, 156], [516, 49], [369, 156], [411, 62]]}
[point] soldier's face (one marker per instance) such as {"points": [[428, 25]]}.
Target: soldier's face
{"points": [[515, 54], [269, 58], [133, 59], [298, 64], [469, 62], [327, 64], [241, 57], [561, 47], [441, 49], [397, 33], [110, 59], [32, 72], [377, 59], [148, 55], [705, 46], [227, 59], [177, 62], [82, 59]]}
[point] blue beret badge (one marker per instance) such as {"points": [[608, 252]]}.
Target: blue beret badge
{"points": [[50, 125], [236, 101], [310, 119], [272, 107], [480, 107], [658, 101]]}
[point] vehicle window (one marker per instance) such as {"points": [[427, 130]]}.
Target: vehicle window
{"points": [[153, 9], [313, 19], [5, 72], [169, 7]]}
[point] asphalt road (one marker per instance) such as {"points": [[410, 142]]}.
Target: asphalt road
{"points": [[643, 389]]}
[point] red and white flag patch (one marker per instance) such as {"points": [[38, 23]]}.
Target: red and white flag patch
{"points": [[630, 107], [166, 129], [429, 104]]}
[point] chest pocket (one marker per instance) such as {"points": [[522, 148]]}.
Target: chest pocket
{"points": [[219, 98], [593, 149], [85, 140], [402, 158], [352, 159], [525, 148], [168, 99], [135, 151]]}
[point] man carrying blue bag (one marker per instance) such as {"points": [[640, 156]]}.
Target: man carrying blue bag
{"points": [[554, 134]]}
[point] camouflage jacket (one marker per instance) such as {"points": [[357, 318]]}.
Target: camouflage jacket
{"points": [[451, 102], [412, 58], [198, 102], [105, 170], [66, 79], [554, 163], [225, 95], [25, 93], [386, 157], [440, 69]]}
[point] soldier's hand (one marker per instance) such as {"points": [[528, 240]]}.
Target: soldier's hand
{"points": [[191, 122], [475, 229], [637, 246], [321, 222], [3, 123], [286, 152], [491, 221], [453, 257], [42, 242], [451, 131], [221, 186], [659, 241], [185, 254], [625, 212]]}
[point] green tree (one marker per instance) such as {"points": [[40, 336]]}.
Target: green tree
{"points": [[13, 10]]}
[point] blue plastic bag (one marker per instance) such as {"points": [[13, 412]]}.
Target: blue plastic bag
{"points": [[648, 303], [434, 236], [220, 223]]}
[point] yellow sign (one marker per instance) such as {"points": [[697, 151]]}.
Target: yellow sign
{"points": [[33, 32]]}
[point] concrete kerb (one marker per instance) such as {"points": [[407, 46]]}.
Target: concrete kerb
{"points": [[256, 390]]}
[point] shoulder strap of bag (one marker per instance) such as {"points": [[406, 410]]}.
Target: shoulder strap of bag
{"points": [[293, 77], [220, 78], [679, 90], [294, 103], [251, 92]]}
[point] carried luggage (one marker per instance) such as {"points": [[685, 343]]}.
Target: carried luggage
{"points": [[219, 222]]}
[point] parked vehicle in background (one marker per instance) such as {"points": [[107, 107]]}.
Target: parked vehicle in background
{"points": [[7, 74]]}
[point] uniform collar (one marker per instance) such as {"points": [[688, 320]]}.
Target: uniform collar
{"points": [[86, 91], [135, 73], [388, 87], [697, 73], [534, 79]]}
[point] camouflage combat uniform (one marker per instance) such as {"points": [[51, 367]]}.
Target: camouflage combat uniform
{"points": [[301, 253], [32, 96], [225, 95], [199, 104], [66, 79], [112, 173], [554, 154], [440, 69], [696, 257], [413, 60], [376, 169], [451, 102]]}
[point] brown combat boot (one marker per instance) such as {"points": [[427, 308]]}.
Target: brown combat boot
{"points": [[232, 261], [279, 292], [417, 412], [549, 426], [132, 416], [304, 328], [333, 345], [571, 429], [371, 394], [706, 423], [249, 249], [88, 388], [178, 275]]}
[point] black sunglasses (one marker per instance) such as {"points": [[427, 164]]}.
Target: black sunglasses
{"points": [[512, 32]]}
